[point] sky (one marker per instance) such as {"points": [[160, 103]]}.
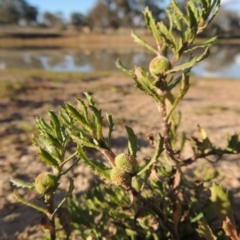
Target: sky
{"points": [[64, 6], [83, 6]]}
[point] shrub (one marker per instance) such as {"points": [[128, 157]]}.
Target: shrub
{"points": [[133, 199]]}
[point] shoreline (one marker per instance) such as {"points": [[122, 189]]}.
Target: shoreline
{"points": [[90, 41], [19, 73]]}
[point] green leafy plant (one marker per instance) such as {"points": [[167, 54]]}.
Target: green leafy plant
{"points": [[133, 199]]}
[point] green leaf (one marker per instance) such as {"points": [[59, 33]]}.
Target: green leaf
{"points": [[89, 98], [191, 19], [216, 4], [179, 24], [43, 126], [84, 142], [98, 121], [100, 169], [132, 141], [190, 64], [183, 90], [141, 42], [177, 12], [170, 19], [110, 128], [65, 116], [84, 109], [151, 24], [69, 122], [183, 66], [158, 150], [221, 203], [233, 144], [204, 4], [168, 37], [78, 117], [209, 42], [47, 158], [144, 83], [132, 234], [205, 231], [173, 82], [22, 184], [38, 208], [120, 66], [51, 140], [165, 171], [116, 213], [55, 124], [206, 143], [189, 36], [114, 195], [195, 10]]}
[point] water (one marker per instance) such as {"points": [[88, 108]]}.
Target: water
{"points": [[224, 61]]}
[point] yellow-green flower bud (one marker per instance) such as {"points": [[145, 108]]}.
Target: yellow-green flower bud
{"points": [[44, 181], [120, 177], [126, 162], [159, 65]]}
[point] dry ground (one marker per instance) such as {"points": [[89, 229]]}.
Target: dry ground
{"points": [[212, 103]]}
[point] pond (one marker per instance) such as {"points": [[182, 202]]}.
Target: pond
{"points": [[224, 61]]}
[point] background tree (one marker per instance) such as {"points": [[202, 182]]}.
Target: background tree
{"points": [[8, 13], [78, 20], [53, 20], [12, 11], [229, 22], [103, 15], [122, 13]]}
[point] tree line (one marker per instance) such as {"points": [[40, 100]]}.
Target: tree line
{"points": [[105, 14]]}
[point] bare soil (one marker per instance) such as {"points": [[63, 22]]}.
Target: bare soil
{"points": [[214, 104]]}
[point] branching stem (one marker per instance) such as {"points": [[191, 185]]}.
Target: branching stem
{"points": [[165, 126], [150, 204]]}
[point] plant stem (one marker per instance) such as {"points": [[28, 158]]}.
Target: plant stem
{"points": [[110, 156], [69, 158], [67, 170], [70, 189], [49, 202], [32, 205], [154, 208]]}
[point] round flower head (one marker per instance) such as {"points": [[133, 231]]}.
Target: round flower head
{"points": [[120, 177], [159, 65], [126, 162], [44, 181]]}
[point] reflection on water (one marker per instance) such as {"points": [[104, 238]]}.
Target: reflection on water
{"points": [[224, 61]]}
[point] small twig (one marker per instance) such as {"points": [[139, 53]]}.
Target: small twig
{"points": [[180, 52], [67, 170], [190, 160], [169, 150], [176, 185], [32, 205], [110, 156], [215, 161], [165, 129], [49, 202], [69, 158], [70, 189], [159, 48], [158, 211]]}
